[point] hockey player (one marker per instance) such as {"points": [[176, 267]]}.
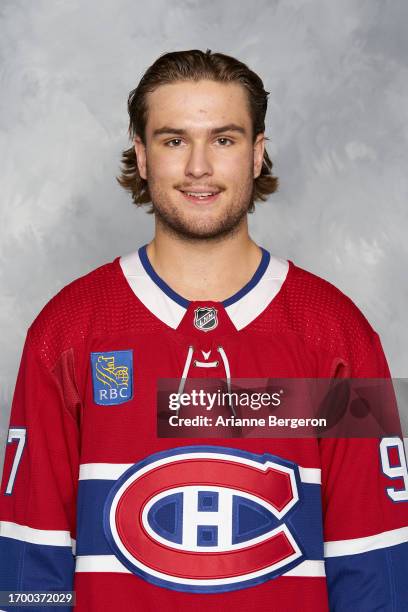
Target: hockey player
{"points": [[93, 499]]}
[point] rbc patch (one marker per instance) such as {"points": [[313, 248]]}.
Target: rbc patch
{"points": [[112, 377]]}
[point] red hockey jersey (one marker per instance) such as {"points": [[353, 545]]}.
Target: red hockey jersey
{"points": [[93, 500]]}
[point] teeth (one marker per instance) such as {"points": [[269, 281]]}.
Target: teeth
{"points": [[199, 195]]}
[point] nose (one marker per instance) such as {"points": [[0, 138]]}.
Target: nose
{"points": [[198, 163]]}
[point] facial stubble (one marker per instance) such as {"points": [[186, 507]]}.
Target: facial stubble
{"points": [[184, 227]]}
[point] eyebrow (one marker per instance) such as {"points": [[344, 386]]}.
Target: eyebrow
{"points": [[230, 127]]}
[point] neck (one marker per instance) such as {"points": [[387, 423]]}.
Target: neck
{"points": [[205, 269]]}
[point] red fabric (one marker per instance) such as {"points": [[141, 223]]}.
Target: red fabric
{"points": [[310, 329]]}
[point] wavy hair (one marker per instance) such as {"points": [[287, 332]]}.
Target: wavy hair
{"points": [[194, 65]]}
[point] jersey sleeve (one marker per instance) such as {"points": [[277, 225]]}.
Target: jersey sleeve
{"points": [[365, 509], [38, 487]]}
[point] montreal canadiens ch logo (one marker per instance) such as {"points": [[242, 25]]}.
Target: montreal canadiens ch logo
{"points": [[205, 519]]}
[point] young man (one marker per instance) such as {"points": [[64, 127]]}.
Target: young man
{"points": [[93, 499]]}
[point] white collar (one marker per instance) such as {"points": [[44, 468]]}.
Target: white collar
{"points": [[170, 307]]}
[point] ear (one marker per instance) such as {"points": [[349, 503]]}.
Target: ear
{"points": [[259, 149], [140, 150]]}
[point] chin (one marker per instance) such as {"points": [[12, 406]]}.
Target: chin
{"points": [[206, 231]]}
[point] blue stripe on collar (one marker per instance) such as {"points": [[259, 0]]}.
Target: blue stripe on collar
{"points": [[260, 271], [159, 281]]}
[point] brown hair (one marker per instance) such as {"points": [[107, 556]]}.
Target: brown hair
{"points": [[194, 65]]}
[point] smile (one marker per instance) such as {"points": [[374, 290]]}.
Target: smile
{"points": [[200, 197]]}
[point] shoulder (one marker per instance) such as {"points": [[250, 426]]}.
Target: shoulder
{"points": [[322, 315], [79, 307], [317, 302]]}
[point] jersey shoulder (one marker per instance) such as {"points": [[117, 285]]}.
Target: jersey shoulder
{"points": [[322, 315], [96, 304], [316, 302]]}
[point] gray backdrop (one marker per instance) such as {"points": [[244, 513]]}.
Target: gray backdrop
{"points": [[337, 123]]}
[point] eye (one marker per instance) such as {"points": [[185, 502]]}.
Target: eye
{"points": [[227, 141], [170, 143]]}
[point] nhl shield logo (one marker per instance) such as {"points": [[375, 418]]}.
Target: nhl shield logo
{"points": [[205, 318]]}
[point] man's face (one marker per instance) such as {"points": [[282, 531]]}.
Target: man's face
{"points": [[199, 140]]}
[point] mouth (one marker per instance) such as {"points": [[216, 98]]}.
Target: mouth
{"points": [[200, 197]]}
